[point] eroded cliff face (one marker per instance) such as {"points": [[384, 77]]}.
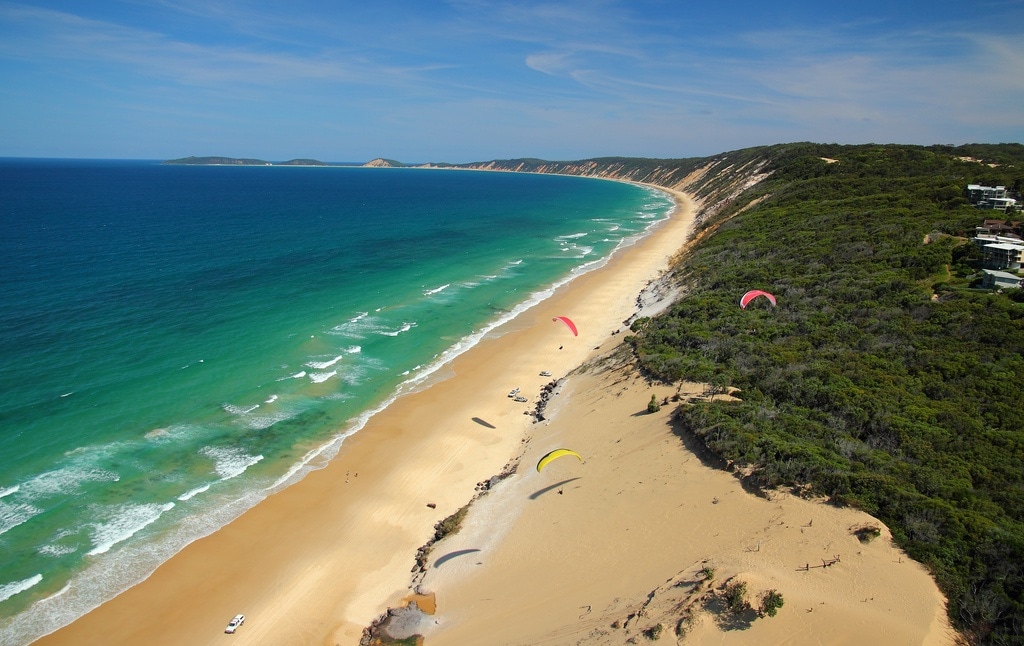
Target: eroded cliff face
{"points": [[713, 182]]}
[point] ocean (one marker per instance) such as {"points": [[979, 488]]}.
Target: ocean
{"points": [[178, 342]]}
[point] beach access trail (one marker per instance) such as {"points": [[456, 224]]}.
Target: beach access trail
{"points": [[318, 562]]}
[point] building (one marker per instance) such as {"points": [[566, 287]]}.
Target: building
{"points": [[1003, 255], [990, 197], [1001, 228], [993, 279]]}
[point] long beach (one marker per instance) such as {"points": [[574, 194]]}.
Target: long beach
{"points": [[317, 562]]}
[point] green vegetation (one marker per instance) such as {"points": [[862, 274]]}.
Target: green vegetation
{"points": [[735, 594], [708, 573], [653, 406], [771, 601], [867, 533], [882, 379], [451, 524]]}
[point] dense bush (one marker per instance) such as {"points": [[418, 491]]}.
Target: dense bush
{"points": [[881, 379]]}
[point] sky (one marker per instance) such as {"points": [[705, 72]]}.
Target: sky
{"points": [[474, 80]]}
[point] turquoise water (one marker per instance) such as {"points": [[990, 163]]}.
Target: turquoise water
{"points": [[180, 341]]}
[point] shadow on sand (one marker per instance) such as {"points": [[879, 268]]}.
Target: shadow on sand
{"points": [[483, 422], [451, 555], [540, 492]]}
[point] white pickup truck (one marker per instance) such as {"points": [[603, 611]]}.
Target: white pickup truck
{"points": [[235, 622]]}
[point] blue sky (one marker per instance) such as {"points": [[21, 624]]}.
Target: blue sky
{"points": [[473, 80]]}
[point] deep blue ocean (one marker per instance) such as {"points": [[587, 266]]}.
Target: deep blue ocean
{"points": [[180, 341]]}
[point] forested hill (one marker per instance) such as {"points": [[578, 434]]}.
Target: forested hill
{"points": [[884, 378]]}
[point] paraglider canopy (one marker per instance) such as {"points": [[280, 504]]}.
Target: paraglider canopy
{"points": [[754, 293], [554, 455], [568, 323]]}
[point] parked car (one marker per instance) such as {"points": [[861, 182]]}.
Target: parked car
{"points": [[235, 622]]}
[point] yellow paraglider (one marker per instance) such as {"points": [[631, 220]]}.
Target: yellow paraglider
{"points": [[554, 455]]}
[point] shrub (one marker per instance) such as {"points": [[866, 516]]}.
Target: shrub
{"points": [[653, 406], [736, 597], [771, 601], [867, 533], [654, 632]]}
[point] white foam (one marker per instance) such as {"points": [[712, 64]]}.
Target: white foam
{"points": [[58, 592], [357, 327], [8, 590], [191, 493], [571, 236], [9, 490], [404, 328], [320, 377], [260, 422], [271, 399], [436, 290], [13, 515], [229, 462], [297, 375], [238, 410], [128, 521], [55, 549], [320, 365], [66, 479], [353, 349]]}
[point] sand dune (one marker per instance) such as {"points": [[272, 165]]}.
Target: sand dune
{"points": [[621, 544]]}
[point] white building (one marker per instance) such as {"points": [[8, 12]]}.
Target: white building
{"points": [[990, 197]]}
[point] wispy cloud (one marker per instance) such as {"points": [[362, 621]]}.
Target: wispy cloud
{"points": [[647, 75]]}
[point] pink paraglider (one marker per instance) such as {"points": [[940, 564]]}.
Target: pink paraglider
{"points": [[568, 323], [754, 293]]}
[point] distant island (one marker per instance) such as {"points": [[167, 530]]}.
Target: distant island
{"points": [[379, 162], [236, 161]]}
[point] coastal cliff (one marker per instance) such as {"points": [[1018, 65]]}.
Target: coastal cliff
{"points": [[713, 181]]}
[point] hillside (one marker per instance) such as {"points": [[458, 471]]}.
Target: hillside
{"points": [[882, 379]]}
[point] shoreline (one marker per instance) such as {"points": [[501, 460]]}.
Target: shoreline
{"points": [[364, 529], [596, 551]]}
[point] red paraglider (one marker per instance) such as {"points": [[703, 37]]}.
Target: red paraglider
{"points": [[754, 293], [568, 323]]}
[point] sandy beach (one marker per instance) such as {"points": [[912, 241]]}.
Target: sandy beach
{"points": [[557, 557]]}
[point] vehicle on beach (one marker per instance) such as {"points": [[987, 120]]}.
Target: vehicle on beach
{"points": [[513, 392], [545, 373], [235, 622], [519, 398]]}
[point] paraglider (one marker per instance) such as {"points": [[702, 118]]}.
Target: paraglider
{"points": [[554, 455], [754, 293], [568, 323]]}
